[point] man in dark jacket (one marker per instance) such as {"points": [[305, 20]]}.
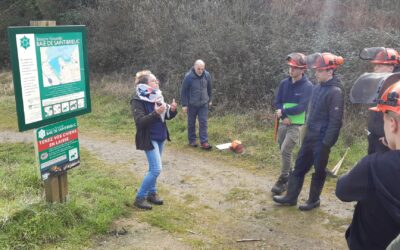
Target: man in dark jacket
{"points": [[374, 184], [324, 121], [195, 99], [291, 103], [384, 61]]}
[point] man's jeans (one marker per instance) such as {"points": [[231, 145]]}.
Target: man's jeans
{"points": [[288, 137], [155, 166], [202, 114]]}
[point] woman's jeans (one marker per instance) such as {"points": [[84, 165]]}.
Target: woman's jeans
{"points": [[155, 166]]}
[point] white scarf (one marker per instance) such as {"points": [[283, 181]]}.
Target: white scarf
{"points": [[149, 94]]}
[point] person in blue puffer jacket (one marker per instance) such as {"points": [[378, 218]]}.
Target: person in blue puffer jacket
{"points": [[324, 121]]}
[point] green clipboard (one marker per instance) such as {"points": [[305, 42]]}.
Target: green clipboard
{"points": [[295, 119]]}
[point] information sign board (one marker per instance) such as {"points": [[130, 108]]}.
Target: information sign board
{"points": [[50, 74]]}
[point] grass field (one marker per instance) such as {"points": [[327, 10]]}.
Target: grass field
{"points": [[99, 194], [27, 222]]}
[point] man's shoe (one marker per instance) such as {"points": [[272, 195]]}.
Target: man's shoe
{"points": [[193, 144], [310, 205], [317, 184], [153, 198], [280, 186], [295, 184], [206, 146], [142, 204]]}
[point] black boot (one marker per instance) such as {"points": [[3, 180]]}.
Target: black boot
{"points": [[294, 187], [315, 191], [280, 186], [153, 198], [142, 204]]}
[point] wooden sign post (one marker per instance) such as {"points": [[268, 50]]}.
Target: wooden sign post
{"points": [[56, 187]]}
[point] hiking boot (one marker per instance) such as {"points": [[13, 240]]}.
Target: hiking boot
{"points": [[206, 146], [193, 144], [294, 187], [280, 186], [142, 204], [153, 198]]}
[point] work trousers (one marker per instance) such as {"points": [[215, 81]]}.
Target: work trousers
{"points": [[312, 152], [288, 137]]}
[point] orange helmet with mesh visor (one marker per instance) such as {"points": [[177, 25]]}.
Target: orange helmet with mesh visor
{"points": [[380, 55], [324, 61], [297, 60], [390, 100]]}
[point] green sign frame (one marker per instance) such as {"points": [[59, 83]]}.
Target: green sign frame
{"points": [[50, 74]]}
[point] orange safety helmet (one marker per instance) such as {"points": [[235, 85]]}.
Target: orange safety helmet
{"points": [[237, 146], [297, 60], [380, 55], [324, 61], [390, 100]]}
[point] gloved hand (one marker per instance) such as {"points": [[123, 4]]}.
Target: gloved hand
{"points": [[322, 159]]}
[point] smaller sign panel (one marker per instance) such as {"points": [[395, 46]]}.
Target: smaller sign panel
{"points": [[57, 147]]}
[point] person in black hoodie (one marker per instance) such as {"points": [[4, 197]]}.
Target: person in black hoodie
{"points": [[374, 184], [324, 121], [150, 112]]}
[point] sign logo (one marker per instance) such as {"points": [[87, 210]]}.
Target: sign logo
{"points": [[44, 156], [25, 42], [41, 134], [73, 154]]}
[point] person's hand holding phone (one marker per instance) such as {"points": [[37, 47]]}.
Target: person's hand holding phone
{"points": [[159, 108]]}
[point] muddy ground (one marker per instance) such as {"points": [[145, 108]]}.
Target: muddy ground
{"points": [[239, 200]]}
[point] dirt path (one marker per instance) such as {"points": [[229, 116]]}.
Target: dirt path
{"points": [[238, 198]]}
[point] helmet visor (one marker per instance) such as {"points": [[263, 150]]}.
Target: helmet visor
{"points": [[296, 60], [365, 89], [315, 61], [370, 86], [378, 54]]}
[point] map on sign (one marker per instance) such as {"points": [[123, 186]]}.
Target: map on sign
{"points": [[60, 65]]}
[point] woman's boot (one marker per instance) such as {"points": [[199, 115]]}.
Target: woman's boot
{"points": [[142, 203], [153, 198]]}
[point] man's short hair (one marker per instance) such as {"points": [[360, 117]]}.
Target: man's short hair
{"points": [[199, 61]]}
